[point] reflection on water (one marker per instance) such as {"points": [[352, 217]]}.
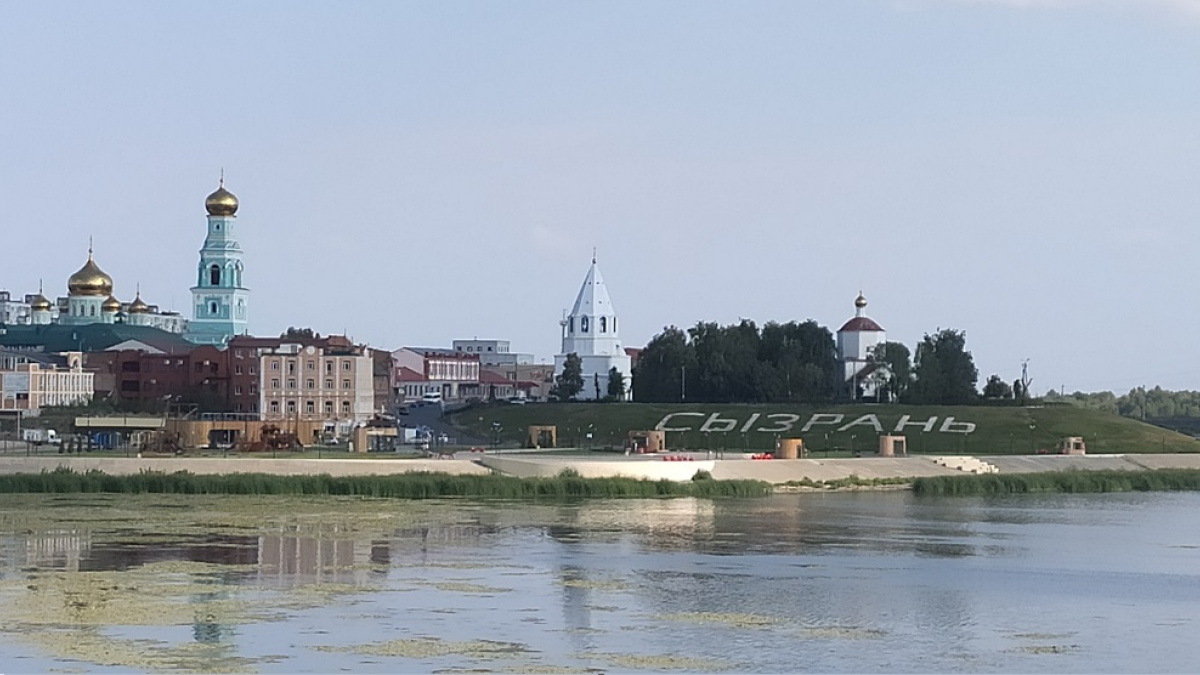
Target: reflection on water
{"points": [[838, 582]]}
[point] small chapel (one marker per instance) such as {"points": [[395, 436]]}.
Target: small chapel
{"points": [[590, 332], [856, 339]]}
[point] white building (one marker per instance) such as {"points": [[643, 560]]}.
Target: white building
{"points": [[590, 331], [492, 352], [29, 382], [424, 370], [856, 339]]}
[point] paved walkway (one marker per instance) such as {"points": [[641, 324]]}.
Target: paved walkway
{"points": [[652, 467]]}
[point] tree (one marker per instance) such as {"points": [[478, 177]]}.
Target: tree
{"points": [[945, 371], [616, 384], [893, 373], [664, 367], [569, 382], [997, 388], [596, 384]]}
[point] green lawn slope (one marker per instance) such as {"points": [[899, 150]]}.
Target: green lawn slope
{"points": [[998, 430]]}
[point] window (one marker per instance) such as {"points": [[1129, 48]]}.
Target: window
{"points": [[328, 407], [275, 383], [346, 407], [603, 324], [291, 366], [345, 384], [237, 370], [213, 308], [237, 391], [583, 324], [291, 383], [614, 324], [345, 365], [291, 407], [329, 366], [311, 365], [274, 365], [253, 388], [312, 384], [328, 383], [310, 407], [571, 327], [275, 407], [253, 370], [214, 277]]}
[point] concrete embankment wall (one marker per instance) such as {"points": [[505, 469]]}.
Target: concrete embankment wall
{"points": [[216, 465], [651, 468]]}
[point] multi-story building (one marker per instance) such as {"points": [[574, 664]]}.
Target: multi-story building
{"points": [[37, 380], [307, 383], [532, 381], [491, 352], [421, 370]]}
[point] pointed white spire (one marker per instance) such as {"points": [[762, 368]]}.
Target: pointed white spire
{"points": [[593, 300]]}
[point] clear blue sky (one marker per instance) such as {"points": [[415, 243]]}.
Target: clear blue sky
{"points": [[1023, 170]]}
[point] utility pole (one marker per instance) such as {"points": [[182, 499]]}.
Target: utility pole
{"points": [[683, 384]]}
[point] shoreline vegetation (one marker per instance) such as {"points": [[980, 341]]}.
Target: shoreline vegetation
{"points": [[567, 485], [1066, 482]]}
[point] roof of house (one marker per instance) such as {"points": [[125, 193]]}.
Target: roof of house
{"points": [[91, 337], [405, 374], [860, 324]]}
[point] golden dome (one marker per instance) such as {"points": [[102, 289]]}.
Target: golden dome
{"points": [[111, 305], [90, 280], [40, 303], [139, 306], [860, 301], [222, 202]]}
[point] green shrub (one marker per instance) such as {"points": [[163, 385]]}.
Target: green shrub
{"points": [[399, 486]]}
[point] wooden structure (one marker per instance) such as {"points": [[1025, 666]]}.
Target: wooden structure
{"points": [[542, 436], [790, 448], [891, 446], [1072, 445], [646, 442], [374, 439]]}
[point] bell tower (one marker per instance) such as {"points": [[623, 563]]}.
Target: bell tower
{"points": [[220, 301]]}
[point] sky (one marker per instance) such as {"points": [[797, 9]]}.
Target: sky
{"points": [[412, 173]]}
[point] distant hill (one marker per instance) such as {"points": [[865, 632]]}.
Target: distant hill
{"points": [[844, 428]]}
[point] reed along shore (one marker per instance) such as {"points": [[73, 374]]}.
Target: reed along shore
{"points": [[1159, 480], [401, 486]]}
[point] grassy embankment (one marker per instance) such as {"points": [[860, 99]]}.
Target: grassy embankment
{"points": [[999, 430], [1059, 482], [403, 486]]}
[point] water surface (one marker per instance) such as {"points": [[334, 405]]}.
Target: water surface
{"points": [[853, 582]]}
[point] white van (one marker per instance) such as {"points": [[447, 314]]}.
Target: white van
{"points": [[432, 397]]}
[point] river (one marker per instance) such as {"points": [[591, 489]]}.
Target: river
{"points": [[843, 582]]}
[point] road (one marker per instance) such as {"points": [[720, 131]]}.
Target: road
{"points": [[432, 415]]}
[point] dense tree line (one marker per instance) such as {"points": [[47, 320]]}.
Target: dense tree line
{"points": [[796, 362], [738, 363], [1139, 402]]}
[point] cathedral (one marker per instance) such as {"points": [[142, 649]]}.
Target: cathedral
{"points": [[590, 331], [219, 299]]}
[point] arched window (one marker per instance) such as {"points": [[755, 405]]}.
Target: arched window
{"points": [[614, 324], [213, 307], [214, 275], [603, 324], [571, 327], [583, 324]]}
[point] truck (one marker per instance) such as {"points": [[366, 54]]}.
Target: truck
{"points": [[40, 436]]}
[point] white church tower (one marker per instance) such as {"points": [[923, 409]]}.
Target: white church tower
{"points": [[590, 331], [855, 341]]}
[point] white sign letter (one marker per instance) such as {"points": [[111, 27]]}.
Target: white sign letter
{"points": [[926, 426], [865, 421], [662, 425], [785, 421], [949, 426], [823, 418], [716, 423]]}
